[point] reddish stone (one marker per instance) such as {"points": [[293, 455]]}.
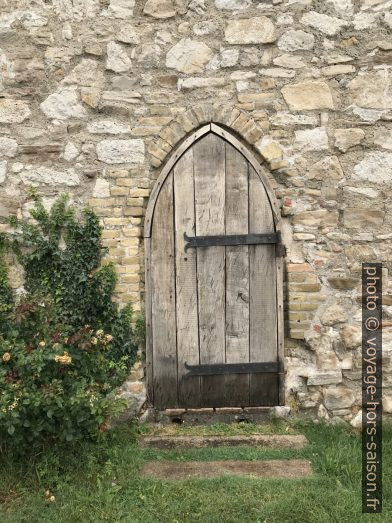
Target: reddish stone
{"points": [[299, 267], [169, 80]]}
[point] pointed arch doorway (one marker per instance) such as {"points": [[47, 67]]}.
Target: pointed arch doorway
{"points": [[214, 304]]}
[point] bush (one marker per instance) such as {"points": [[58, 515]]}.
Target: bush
{"points": [[64, 345]]}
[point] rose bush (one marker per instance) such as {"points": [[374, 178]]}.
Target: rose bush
{"points": [[64, 344]]}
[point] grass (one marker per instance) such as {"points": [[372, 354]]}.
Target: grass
{"points": [[275, 426], [99, 482]]}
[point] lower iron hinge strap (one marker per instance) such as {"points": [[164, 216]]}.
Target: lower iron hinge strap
{"points": [[231, 368]]}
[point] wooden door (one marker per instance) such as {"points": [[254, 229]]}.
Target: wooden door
{"points": [[213, 281]]}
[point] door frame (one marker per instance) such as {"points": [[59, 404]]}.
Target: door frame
{"points": [[256, 164]]}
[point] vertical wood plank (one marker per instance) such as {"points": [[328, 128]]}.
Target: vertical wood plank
{"points": [[209, 172], [186, 282], [264, 389], [237, 277], [148, 312], [163, 300], [280, 335]]}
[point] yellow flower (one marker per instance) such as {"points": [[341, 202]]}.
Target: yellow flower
{"points": [[108, 338], [94, 341], [6, 357], [99, 333], [42, 344], [51, 499], [14, 404], [65, 359]]}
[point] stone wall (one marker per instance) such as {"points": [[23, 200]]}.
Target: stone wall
{"points": [[96, 93]]}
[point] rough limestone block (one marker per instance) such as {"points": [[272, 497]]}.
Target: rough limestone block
{"points": [[311, 139], [295, 40], [3, 171], [335, 70], [232, 5], [376, 167], [159, 8], [343, 283], [188, 56], [372, 90], [201, 83], [122, 9], [8, 147], [333, 315], [258, 30], [383, 138], [101, 188], [338, 397], [351, 336], [62, 105], [121, 151], [320, 218], [36, 176], [308, 95], [329, 168], [347, 138], [357, 218], [324, 378], [117, 58], [13, 111], [108, 126], [329, 25]]}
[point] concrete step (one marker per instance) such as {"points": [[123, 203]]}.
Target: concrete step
{"points": [[271, 441], [285, 468]]}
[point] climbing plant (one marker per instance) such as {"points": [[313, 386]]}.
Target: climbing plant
{"points": [[6, 295], [64, 343]]}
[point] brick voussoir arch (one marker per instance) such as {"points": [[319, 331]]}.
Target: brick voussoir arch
{"points": [[234, 119]]}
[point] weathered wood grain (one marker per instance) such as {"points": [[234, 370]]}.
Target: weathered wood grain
{"points": [[209, 171], [237, 277], [186, 282], [262, 283], [163, 300]]}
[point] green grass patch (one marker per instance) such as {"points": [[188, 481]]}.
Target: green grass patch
{"points": [[100, 482]]}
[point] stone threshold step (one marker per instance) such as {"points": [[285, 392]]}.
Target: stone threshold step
{"points": [[281, 469], [272, 441], [209, 416]]}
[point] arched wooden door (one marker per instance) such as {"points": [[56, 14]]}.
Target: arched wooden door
{"points": [[213, 271]]}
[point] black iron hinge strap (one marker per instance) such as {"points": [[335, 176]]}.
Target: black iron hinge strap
{"points": [[235, 239], [231, 368]]}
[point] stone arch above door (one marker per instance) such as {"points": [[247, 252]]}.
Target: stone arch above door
{"points": [[214, 313], [236, 120]]}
